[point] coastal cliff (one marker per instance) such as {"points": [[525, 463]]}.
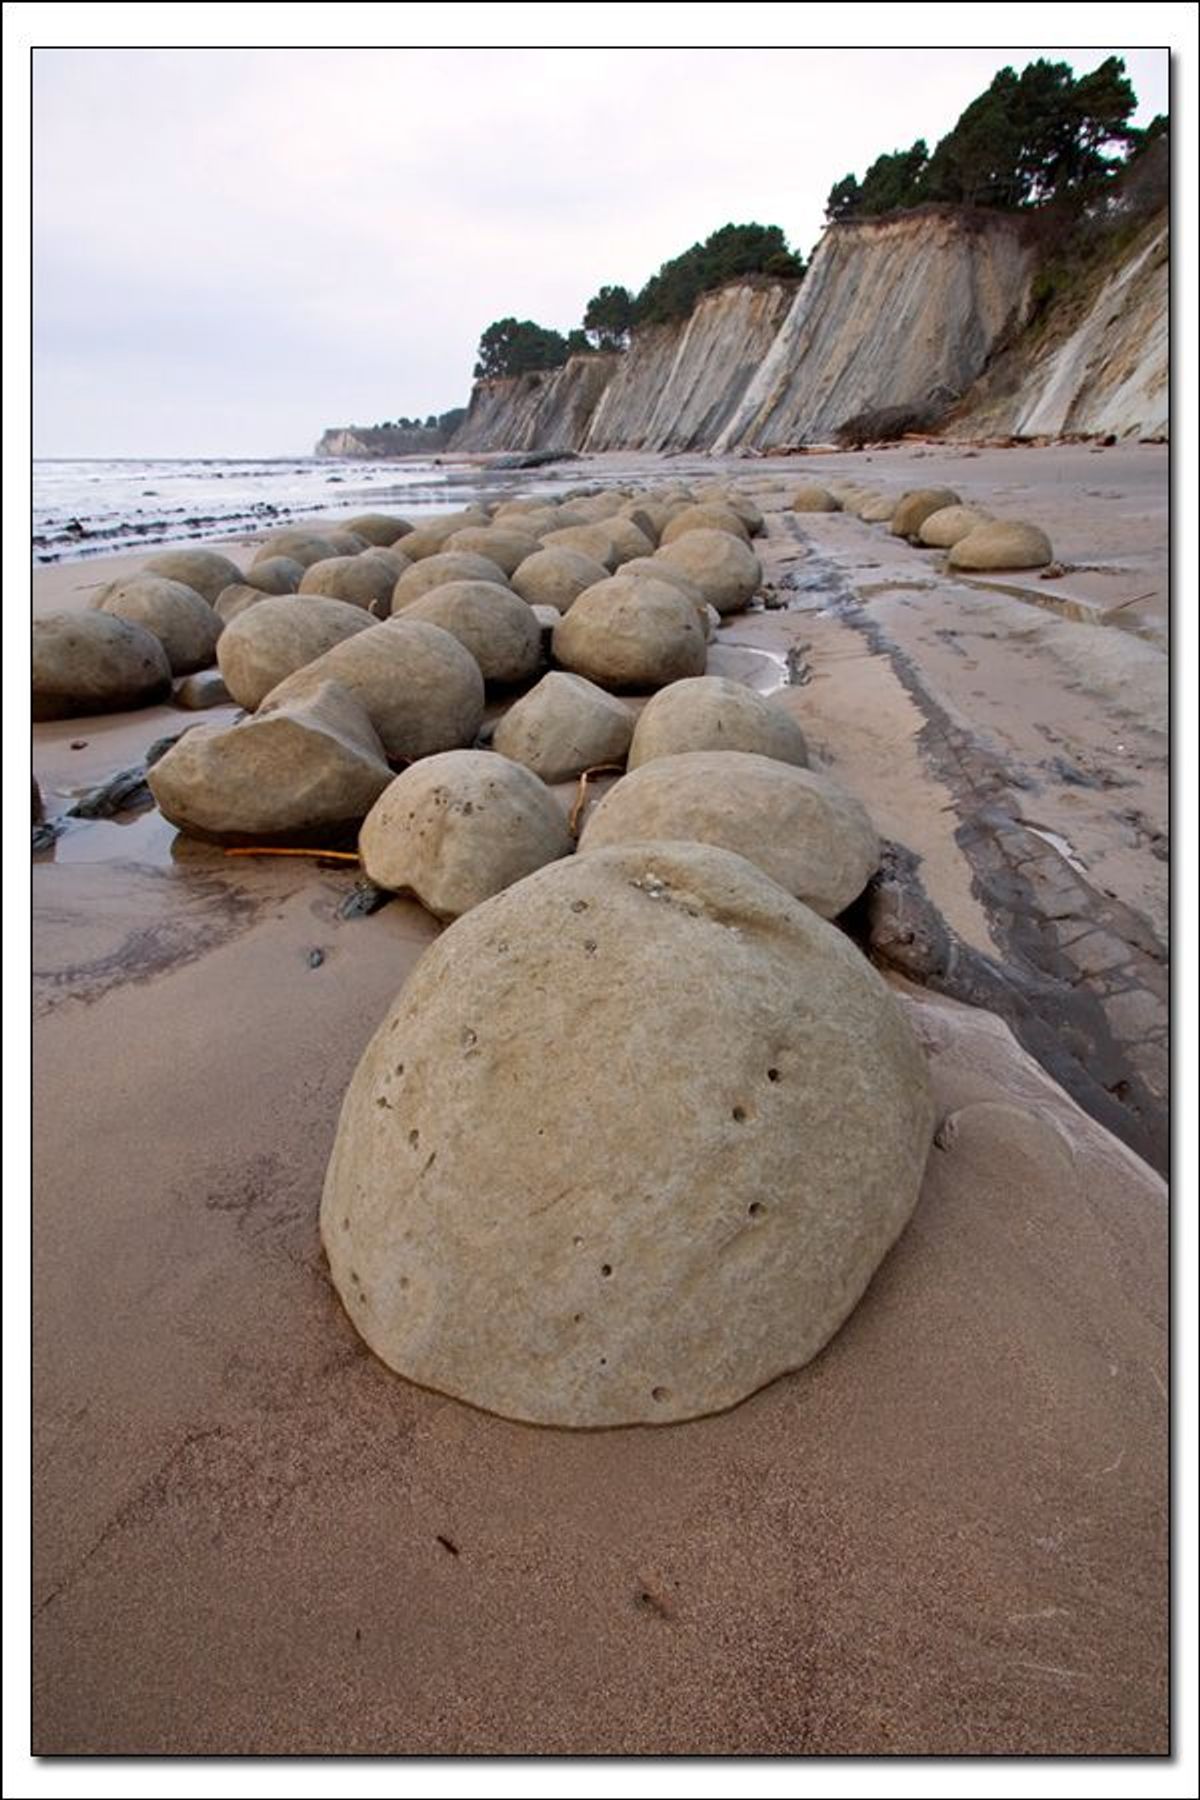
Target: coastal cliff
{"points": [[931, 310]]}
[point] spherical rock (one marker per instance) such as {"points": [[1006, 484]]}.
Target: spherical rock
{"points": [[95, 662], [347, 543], [185, 624], [196, 693], [273, 575], [630, 632], [315, 767], [538, 1204], [432, 535], [456, 829], [723, 567], [557, 577], [295, 542], [435, 571], [913, 508], [235, 599], [204, 571], [358, 580], [502, 545], [492, 622], [394, 560], [942, 529], [563, 726], [379, 528], [264, 644], [421, 690], [812, 498], [1002, 544], [710, 712], [657, 569], [704, 518], [732, 500], [873, 508], [802, 829]]}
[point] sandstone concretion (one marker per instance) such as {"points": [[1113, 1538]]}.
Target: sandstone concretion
{"points": [[95, 662], [493, 623], [264, 644], [1002, 544], [314, 767], [432, 535], [557, 577], [802, 829], [630, 1144], [206, 572], [421, 690], [631, 632], [435, 571], [379, 528], [814, 499], [236, 598], [563, 726], [456, 829], [705, 518], [914, 507], [185, 624], [273, 575], [295, 542], [710, 712], [723, 567], [346, 543], [358, 580], [590, 540], [941, 530], [198, 692], [659, 570], [502, 545]]}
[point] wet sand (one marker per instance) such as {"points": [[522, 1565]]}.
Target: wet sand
{"points": [[948, 1533]]}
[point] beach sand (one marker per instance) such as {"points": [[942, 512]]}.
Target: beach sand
{"points": [[947, 1534]]}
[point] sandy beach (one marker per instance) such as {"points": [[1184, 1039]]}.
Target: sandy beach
{"points": [[947, 1534]]}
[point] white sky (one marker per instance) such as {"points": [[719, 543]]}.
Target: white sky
{"points": [[235, 248]]}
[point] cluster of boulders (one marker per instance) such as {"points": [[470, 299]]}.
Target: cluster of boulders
{"points": [[642, 1124], [936, 518]]}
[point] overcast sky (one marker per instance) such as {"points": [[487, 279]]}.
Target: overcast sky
{"points": [[234, 249]]}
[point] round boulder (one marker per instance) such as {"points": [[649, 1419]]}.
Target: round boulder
{"points": [[812, 498], [297, 543], [563, 726], [631, 632], [432, 535], [913, 508], [722, 566], [347, 543], [493, 623], [1002, 544], [185, 625], [704, 518], [204, 571], [802, 829], [501, 544], [590, 540], [394, 560], [710, 712], [421, 690], [264, 644], [456, 829], [358, 580], [379, 528], [435, 571], [535, 1203], [95, 662], [942, 529], [658, 570], [557, 577], [235, 599], [733, 501], [273, 575]]}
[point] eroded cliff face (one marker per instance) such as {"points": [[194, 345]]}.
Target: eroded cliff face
{"points": [[909, 311]]}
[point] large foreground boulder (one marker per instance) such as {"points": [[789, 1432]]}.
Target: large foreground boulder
{"points": [[493, 623], [206, 572], [435, 571], [1002, 544], [421, 690], [311, 769], [185, 624], [630, 1143], [456, 829], [802, 829], [710, 712], [95, 662], [631, 632], [722, 566], [264, 644], [557, 577], [563, 726]]}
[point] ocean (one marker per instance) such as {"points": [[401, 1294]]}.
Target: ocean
{"points": [[87, 507]]}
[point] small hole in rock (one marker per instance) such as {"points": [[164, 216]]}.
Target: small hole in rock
{"points": [[414, 1137], [756, 1209], [739, 1115], [577, 1241], [606, 1268], [660, 1393], [577, 1319], [772, 1074]]}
